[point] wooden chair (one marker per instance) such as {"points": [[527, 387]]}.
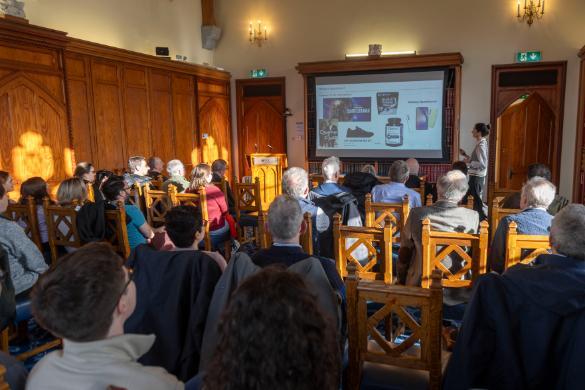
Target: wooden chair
{"points": [[248, 204], [367, 344], [156, 184], [306, 238], [117, 233], [366, 236], [62, 228], [316, 180], [429, 200], [469, 204], [198, 200], [90, 192], [157, 204], [3, 384], [421, 187], [436, 246], [524, 248], [377, 213], [136, 197], [26, 216], [498, 212]]}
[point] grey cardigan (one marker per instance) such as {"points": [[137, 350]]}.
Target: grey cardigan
{"points": [[26, 262], [478, 162]]}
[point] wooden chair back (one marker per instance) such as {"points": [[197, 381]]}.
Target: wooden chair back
{"points": [[377, 213], [377, 241], [498, 212], [157, 204], [247, 197], [117, 233], [316, 180], [3, 384], [157, 183], [62, 228], [367, 344], [26, 216], [517, 246], [136, 196], [90, 192], [421, 187], [438, 245], [306, 238], [429, 200], [198, 200]]}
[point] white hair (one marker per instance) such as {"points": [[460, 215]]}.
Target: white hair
{"points": [[452, 186], [175, 168], [567, 234], [284, 217], [538, 193], [399, 172], [331, 167], [295, 182]]}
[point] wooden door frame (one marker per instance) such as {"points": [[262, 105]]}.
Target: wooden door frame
{"points": [[240, 84], [499, 105], [579, 154]]}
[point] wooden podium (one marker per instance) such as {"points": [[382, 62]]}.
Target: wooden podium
{"points": [[268, 168]]}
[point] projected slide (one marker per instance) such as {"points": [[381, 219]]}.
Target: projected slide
{"points": [[380, 115]]}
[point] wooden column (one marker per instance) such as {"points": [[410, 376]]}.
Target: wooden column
{"points": [[579, 171]]}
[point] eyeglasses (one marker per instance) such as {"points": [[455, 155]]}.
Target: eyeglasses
{"points": [[130, 272]]}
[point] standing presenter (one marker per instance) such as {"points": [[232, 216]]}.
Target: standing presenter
{"points": [[477, 164]]}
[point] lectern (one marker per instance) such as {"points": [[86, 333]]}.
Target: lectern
{"points": [[268, 168]]}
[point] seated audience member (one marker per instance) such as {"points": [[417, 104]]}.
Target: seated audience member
{"points": [[138, 171], [37, 188], [219, 169], [85, 171], [285, 224], [394, 191], [331, 169], [217, 209], [524, 329], [512, 201], [360, 184], [85, 299], [446, 216], [101, 177], [176, 171], [25, 261], [6, 181], [156, 166], [460, 166], [274, 335], [413, 170], [139, 231], [184, 226], [174, 289], [71, 192], [537, 195]]}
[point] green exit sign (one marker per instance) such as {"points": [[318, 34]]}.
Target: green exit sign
{"points": [[528, 56], [258, 73]]}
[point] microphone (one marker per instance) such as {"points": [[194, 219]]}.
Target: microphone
{"points": [[270, 146]]}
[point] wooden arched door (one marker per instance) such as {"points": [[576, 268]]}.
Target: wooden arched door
{"points": [[261, 123], [35, 137]]}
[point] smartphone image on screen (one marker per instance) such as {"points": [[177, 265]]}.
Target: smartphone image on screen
{"points": [[422, 118], [432, 117]]}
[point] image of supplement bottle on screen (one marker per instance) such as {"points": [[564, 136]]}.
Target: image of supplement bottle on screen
{"points": [[387, 103], [353, 109], [394, 132]]}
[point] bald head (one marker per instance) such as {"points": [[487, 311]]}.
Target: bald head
{"points": [[413, 167]]}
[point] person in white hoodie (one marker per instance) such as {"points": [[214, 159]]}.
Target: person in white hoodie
{"points": [[85, 300]]}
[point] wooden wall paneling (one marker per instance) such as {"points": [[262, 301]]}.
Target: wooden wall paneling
{"points": [[186, 148], [107, 102], [161, 115], [136, 112], [81, 111], [214, 120], [579, 170]]}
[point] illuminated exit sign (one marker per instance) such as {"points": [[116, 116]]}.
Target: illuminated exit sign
{"points": [[528, 56], [258, 73]]}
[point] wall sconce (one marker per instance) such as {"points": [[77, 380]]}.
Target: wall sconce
{"points": [[257, 35], [531, 11]]}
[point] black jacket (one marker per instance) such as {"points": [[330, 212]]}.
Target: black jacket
{"points": [[360, 184], [524, 329], [173, 292]]}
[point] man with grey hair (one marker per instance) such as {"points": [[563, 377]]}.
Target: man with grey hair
{"points": [[285, 224], [529, 321], [395, 191], [446, 216], [331, 168], [537, 194], [138, 171], [176, 171], [413, 170]]}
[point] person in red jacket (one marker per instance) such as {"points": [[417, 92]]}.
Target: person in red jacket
{"points": [[217, 209]]}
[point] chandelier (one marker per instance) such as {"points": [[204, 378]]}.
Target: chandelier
{"points": [[531, 11]]}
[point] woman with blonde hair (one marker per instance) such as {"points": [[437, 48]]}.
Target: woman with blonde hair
{"points": [[217, 209], [72, 191]]}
